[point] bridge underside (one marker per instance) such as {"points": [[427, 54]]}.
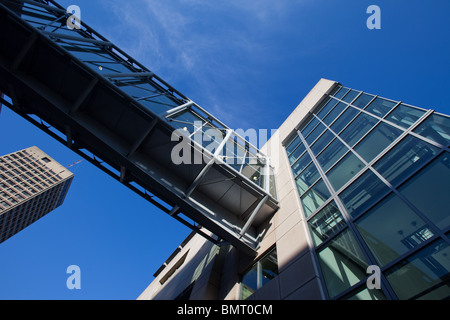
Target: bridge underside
{"points": [[95, 115]]}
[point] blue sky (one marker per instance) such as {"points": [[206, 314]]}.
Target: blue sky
{"points": [[249, 62]]}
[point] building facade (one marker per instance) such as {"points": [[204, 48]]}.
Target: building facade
{"points": [[361, 183], [31, 185]]}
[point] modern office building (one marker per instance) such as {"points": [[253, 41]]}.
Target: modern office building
{"points": [[361, 181], [350, 181], [31, 185]]}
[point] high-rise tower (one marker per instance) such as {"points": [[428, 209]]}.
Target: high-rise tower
{"points": [[31, 185]]}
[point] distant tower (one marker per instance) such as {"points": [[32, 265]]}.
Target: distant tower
{"points": [[31, 185]]}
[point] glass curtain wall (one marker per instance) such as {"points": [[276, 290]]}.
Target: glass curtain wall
{"points": [[373, 177]]}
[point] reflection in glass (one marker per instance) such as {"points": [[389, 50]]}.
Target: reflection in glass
{"points": [[405, 116], [301, 164], [344, 170], [363, 193], [325, 223], [436, 128], [350, 96], [429, 189], [363, 100], [391, 228], [323, 140], [344, 119], [326, 108], [296, 153], [315, 197], [307, 178], [376, 141], [315, 133], [335, 113], [343, 263], [358, 128], [407, 156], [331, 154], [423, 276], [380, 107]]}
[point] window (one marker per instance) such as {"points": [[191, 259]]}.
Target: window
{"points": [[407, 156], [358, 128], [391, 229], [331, 154], [344, 170], [405, 116], [380, 107], [307, 178], [424, 275], [436, 128], [334, 113], [259, 274], [376, 141], [315, 197], [343, 263], [428, 191], [363, 193], [363, 100], [326, 223]]}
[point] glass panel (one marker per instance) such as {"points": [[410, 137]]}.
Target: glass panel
{"points": [[315, 197], [250, 282], [315, 133], [363, 100], [428, 191], [301, 164], [309, 127], [331, 154], [350, 96], [330, 104], [346, 169], [407, 156], [187, 121], [325, 223], [341, 93], [297, 153], [363, 193], [334, 113], [376, 141], [436, 128], [358, 128], [423, 276], [322, 142], [307, 178], [391, 228], [342, 263], [269, 267], [366, 294], [405, 116], [380, 107], [344, 119], [295, 142]]}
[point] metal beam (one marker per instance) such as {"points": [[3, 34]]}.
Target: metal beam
{"points": [[138, 142], [208, 165], [175, 110], [75, 38], [128, 75], [82, 98], [253, 216]]}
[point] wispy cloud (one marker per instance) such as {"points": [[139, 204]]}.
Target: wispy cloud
{"points": [[210, 47]]}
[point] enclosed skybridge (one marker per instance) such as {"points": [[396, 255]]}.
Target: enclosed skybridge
{"points": [[101, 103]]}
